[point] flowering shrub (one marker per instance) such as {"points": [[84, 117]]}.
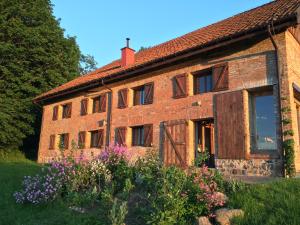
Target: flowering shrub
{"points": [[115, 154], [44, 187]]}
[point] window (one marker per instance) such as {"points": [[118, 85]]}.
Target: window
{"points": [[66, 110], [143, 95], [55, 113], [99, 104], [96, 138], [52, 142], [203, 82], [84, 107], [64, 141], [142, 135], [81, 139], [263, 122]]}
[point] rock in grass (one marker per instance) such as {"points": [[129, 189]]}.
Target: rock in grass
{"points": [[223, 216], [77, 209], [203, 220]]}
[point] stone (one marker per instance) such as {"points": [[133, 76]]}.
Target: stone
{"points": [[223, 216], [203, 220]]}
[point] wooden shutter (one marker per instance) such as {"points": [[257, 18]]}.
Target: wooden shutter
{"points": [[69, 110], [52, 142], [66, 141], [96, 104], [149, 89], [122, 98], [230, 122], [137, 97], [99, 138], [179, 86], [102, 103], [84, 104], [81, 139], [121, 135], [220, 77], [55, 113], [148, 135]]}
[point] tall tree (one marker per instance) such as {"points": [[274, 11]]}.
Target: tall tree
{"points": [[35, 56], [87, 64]]}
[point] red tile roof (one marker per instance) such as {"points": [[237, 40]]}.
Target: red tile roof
{"points": [[242, 23]]}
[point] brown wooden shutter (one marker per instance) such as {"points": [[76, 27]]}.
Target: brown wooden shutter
{"points": [[66, 141], [69, 110], [102, 103], [136, 97], [52, 142], [230, 125], [121, 135], [122, 98], [220, 77], [148, 135], [81, 139], [96, 104], [55, 113], [179, 86], [99, 138], [149, 90], [84, 104]]}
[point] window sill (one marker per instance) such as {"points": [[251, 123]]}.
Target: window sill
{"points": [[264, 155]]}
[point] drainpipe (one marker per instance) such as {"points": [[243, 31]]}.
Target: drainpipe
{"points": [[108, 115], [279, 91]]}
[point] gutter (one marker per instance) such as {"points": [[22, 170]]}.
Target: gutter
{"points": [[109, 113], [285, 22], [278, 91]]}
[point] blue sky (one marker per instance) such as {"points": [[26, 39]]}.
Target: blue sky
{"points": [[101, 26]]}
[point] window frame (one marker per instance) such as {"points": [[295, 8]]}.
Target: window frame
{"points": [[62, 138], [268, 91], [95, 132], [196, 80], [64, 107], [141, 134], [141, 90]]}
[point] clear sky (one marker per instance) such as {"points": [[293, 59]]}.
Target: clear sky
{"points": [[101, 26]]}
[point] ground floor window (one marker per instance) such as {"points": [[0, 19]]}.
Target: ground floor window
{"points": [[263, 122], [138, 136], [96, 138], [64, 141]]}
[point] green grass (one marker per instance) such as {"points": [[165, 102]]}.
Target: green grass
{"points": [[270, 203], [54, 213]]}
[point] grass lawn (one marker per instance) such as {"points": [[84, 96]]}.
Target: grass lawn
{"points": [[271, 203], [55, 213]]}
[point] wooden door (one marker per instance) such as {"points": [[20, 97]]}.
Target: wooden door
{"points": [[174, 146]]}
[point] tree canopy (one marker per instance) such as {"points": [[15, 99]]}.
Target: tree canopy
{"points": [[35, 56]]}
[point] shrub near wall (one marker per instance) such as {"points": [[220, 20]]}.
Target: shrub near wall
{"points": [[144, 192]]}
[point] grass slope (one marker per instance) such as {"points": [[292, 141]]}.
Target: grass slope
{"points": [[271, 203]]}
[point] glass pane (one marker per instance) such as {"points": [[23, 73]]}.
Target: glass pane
{"points": [[202, 84], [209, 83], [265, 123], [142, 98]]}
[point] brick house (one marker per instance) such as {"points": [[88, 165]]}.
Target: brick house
{"points": [[231, 89]]}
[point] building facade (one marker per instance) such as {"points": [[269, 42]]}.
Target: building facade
{"points": [[231, 89]]}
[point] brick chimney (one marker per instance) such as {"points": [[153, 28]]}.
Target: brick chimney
{"points": [[127, 57]]}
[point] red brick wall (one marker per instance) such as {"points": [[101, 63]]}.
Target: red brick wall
{"points": [[253, 66]]}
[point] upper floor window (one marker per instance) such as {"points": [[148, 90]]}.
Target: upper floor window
{"points": [[142, 135], [263, 122], [96, 138], [66, 110], [143, 95], [99, 104], [203, 82], [55, 113], [64, 141]]}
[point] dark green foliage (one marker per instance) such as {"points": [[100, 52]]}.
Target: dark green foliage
{"points": [[286, 121], [288, 133], [87, 64], [289, 153], [34, 57]]}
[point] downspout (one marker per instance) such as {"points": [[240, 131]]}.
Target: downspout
{"points": [[108, 115], [279, 92]]}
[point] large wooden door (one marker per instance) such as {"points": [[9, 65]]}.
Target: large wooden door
{"points": [[174, 144]]}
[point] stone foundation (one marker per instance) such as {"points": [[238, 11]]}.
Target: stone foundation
{"points": [[252, 167]]}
